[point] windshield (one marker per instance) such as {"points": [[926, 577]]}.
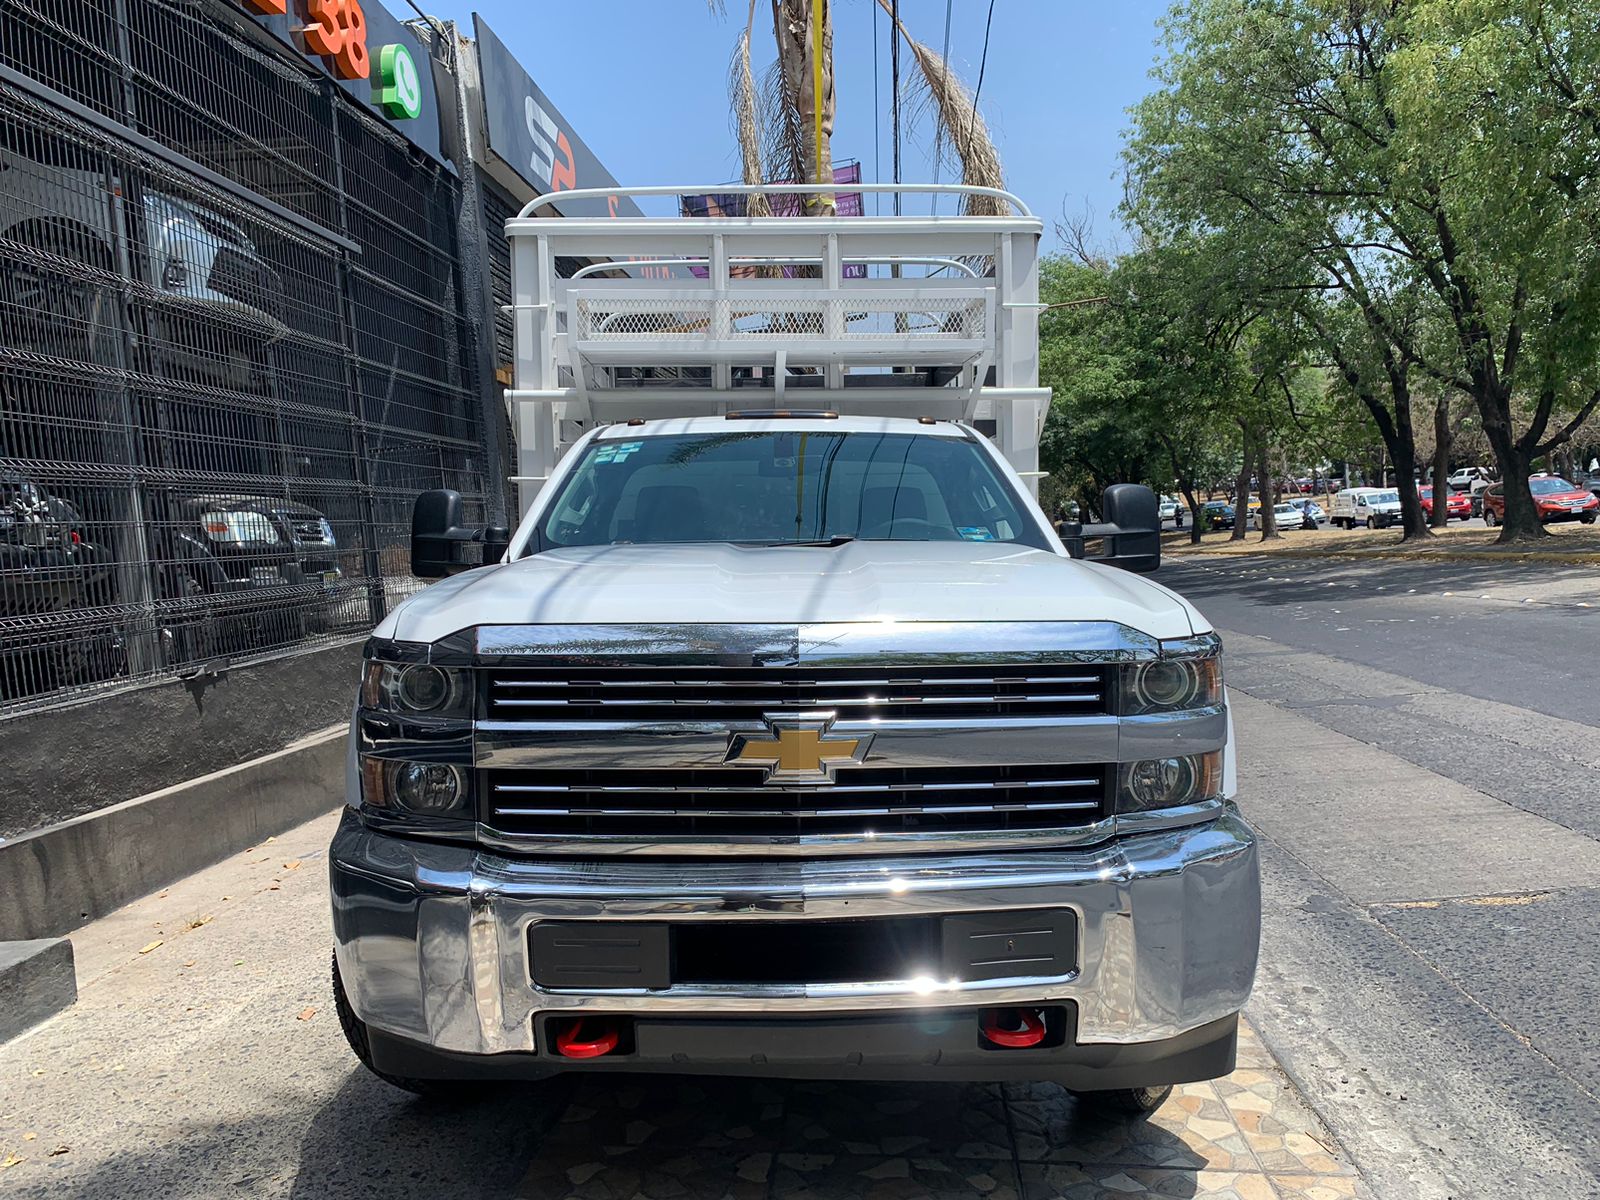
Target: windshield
{"points": [[1384, 498], [1544, 487], [781, 487]]}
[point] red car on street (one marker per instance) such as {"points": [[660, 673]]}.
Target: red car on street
{"points": [[1553, 498], [1458, 506]]}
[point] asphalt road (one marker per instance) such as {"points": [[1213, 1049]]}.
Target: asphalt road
{"points": [[1418, 748]]}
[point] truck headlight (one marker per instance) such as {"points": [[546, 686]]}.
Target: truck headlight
{"points": [[417, 689], [241, 526], [424, 789], [1190, 678], [1156, 783]]}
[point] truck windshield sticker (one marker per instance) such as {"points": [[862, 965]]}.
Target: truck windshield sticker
{"points": [[975, 533], [617, 453]]}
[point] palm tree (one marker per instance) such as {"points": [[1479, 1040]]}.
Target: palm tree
{"points": [[785, 126]]}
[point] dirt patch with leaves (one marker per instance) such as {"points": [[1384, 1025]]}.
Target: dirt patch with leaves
{"points": [[1568, 543]]}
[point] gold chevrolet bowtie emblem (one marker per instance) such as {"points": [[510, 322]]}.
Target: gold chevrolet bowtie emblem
{"points": [[800, 750]]}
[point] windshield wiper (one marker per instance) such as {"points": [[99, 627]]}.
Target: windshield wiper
{"points": [[837, 540]]}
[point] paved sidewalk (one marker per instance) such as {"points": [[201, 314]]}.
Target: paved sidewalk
{"points": [[204, 1059]]}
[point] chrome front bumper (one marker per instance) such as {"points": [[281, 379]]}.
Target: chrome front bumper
{"points": [[433, 939]]}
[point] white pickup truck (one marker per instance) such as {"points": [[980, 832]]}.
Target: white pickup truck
{"points": [[790, 742]]}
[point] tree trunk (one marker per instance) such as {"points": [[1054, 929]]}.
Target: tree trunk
{"points": [[797, 44], [1187, 488], [1267, 488], [1521, 521], [1442, 439], [1400, 440], [1241, 489]]}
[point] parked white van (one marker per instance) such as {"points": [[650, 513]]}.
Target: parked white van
{"points": [[1376, 508]]}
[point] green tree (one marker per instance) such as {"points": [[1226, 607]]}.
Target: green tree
{"points": [[1428, 164]]}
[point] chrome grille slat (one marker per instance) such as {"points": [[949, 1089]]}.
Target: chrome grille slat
{"points": [[677, 682], [868, 801], [788, 813], [521, 788], [701, 692], [814, 702]]}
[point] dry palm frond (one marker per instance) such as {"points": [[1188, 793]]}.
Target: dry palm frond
{"points": [[747, 117], [938, 90], [784, 144]]}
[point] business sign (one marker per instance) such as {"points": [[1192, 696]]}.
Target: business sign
{"points": [[524, 130], [377, 60]]}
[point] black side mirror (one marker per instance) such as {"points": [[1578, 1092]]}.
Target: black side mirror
{"points": [[1132, 529], [440, 544], [1071, 534]]}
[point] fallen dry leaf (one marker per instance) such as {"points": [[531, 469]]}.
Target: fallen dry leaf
{"points": [[28, 1137], [269, 841], [292, 865], [199, 921], [150, 947], [56, 1151], [227, 897], [189, 964], [274, 888], [306, 1014], [10, 1160], [40, 1071]]}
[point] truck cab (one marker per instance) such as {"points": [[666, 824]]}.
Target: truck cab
{"points": [[791, 741], [1372, 507]]}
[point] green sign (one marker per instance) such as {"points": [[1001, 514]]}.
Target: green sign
{"points": [[396, 87]]}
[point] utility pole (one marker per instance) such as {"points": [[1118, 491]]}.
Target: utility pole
{"points": [[894, 92]]}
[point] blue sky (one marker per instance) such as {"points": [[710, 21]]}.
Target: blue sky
{"points": [[645, 84]]}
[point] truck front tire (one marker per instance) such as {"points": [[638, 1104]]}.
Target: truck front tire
{"points": [[1127, 1102]]}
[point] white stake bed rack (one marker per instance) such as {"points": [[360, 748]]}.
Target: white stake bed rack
{"points": [[944, 324]]}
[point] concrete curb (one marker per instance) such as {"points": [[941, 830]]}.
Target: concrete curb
{"points": [[36, 982], [54, 879]]}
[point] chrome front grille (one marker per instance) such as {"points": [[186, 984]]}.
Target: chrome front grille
{"points": [[707, 805], [676, 694]]}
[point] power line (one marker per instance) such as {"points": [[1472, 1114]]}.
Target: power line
{"points": [[938, 133], [982, 63]]}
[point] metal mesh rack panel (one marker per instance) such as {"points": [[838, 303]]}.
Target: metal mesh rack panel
{"points": [[213, 419]]}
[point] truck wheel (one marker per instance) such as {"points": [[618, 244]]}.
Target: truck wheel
{"points": [[1371, 524], [1130, 1102], [355, 1032]]}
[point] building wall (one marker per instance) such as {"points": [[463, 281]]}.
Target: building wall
{"points": [[233, 347]]}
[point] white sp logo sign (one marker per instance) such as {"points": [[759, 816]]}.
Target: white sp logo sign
{"points": [[552, 153]]}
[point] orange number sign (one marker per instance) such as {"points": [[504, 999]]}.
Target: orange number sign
{"points": [[337, 29]]}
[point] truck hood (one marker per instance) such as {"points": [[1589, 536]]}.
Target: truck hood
{"points": [[722, 583]]}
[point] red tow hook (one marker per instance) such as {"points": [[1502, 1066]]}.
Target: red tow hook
{"points": [[1014, 1028], [571, 1043]]}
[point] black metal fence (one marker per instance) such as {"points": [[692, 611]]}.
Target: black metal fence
{"points": [[220, 390]]}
